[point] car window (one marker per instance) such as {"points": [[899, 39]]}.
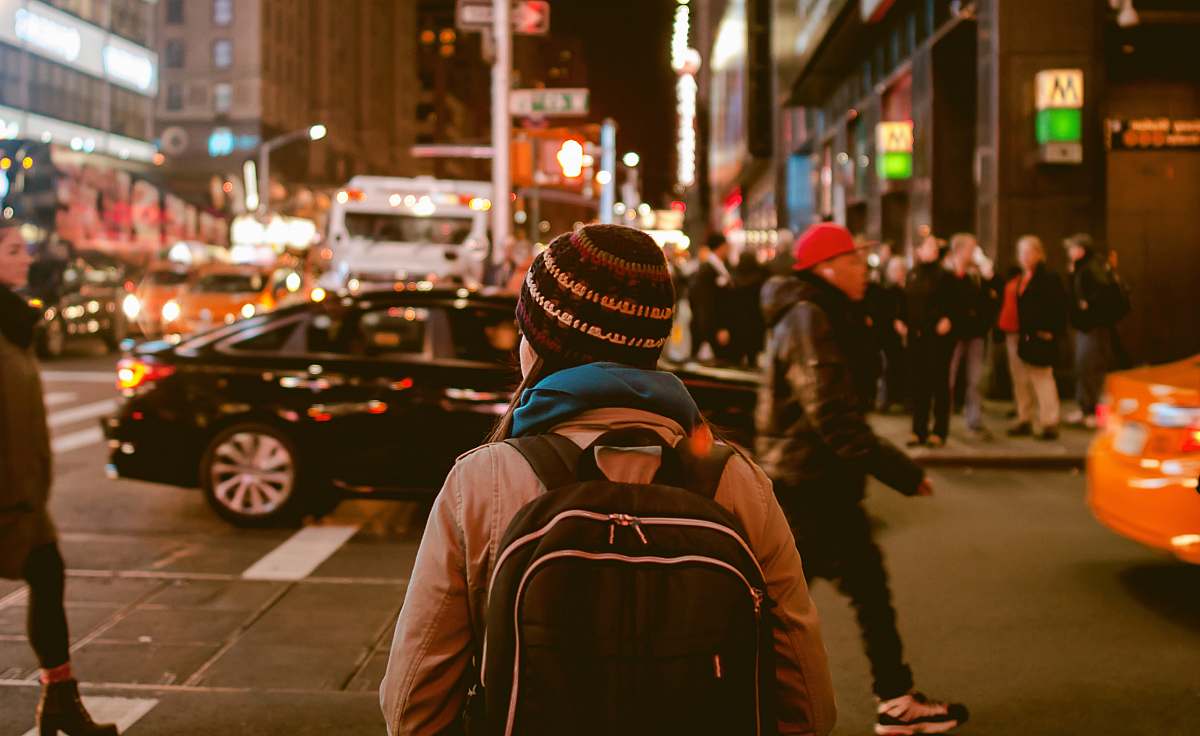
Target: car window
{"points": [[166, 278], [482, 334], [390, 331], [271, 340], [228, 283], [386, 227]]}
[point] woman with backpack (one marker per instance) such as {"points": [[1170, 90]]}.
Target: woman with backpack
{"points": [[28, 541], [595, 568]]}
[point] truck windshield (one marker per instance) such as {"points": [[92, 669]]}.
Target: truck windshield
{"points": [[390, 228]]}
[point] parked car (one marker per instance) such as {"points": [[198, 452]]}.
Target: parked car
{"points": [[284, 414], [81, 292], [1143, 465]]}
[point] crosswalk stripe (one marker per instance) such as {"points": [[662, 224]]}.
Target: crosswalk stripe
{"points": [[77, 440], [80, 413], [302, 553], [124, 712], [80, 376], [57, 398]]}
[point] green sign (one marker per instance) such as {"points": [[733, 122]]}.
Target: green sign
{"points": [[896, 165], [1060, 125]]}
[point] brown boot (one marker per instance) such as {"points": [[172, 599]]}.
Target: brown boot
{"points": [[60, 709]]}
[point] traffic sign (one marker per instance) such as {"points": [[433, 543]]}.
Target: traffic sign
{"points": [[529, 17], [556, 102]]}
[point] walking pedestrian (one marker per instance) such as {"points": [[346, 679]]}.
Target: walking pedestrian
{"points": [[926, 325], [815, 443], [28, 541], [1098, 303], [975, 298], [885, 304], [585, 378], [1041, 317], [1009, 324], [747, 329], [710, 289]]}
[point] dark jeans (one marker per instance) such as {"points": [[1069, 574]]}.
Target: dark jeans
{"points": [[833, 535], [929, 359], [1093, 359], [892, 382], [46, 620]]}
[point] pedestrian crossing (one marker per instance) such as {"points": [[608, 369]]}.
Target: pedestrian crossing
{"points": [[73, 415], [124, 712]]}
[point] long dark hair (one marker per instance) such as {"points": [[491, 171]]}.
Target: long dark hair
{"points": [[503, 428]]}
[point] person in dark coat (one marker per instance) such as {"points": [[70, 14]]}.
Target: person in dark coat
{"points": [[1098, 303], [746, 326], [885, 305], [708, 298], [976, 303], [926, 325], [816, 445], [28, 541], [1042, 318]]}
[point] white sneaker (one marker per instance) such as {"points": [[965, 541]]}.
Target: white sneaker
{"points": [[914, 713], [1075, 416]]}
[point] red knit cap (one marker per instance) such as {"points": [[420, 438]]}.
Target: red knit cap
{"points": [[821, 242]]}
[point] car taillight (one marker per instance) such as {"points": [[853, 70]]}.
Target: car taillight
{"points": [[132, 373], [1191, 439]]}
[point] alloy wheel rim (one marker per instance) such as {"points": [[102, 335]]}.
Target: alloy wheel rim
{"points": [[252, 474]]}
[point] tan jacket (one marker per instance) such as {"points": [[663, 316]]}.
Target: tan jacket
{"points": [[440, 624], [25, 462]]}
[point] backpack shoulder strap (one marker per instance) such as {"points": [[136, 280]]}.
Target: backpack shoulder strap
{"points": [[704, 473], [552, 457]]}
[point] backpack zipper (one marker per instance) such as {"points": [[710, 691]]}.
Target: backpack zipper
{"points": [[755, 593]]}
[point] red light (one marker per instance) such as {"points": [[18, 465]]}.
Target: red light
{"points": [[132, 373], [403, 385], [377, 407], [318, 414], [227, 187], [679, 206], [138, 416], [130, 286], [1103, 411], [1191, 439]]}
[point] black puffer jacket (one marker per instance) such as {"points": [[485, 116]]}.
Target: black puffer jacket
{"points": [[811, 419]]}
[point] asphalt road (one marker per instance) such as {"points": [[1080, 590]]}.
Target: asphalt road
{"points": [[1011, 598]]}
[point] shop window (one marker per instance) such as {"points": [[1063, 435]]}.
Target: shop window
{"points": [[174, 97], [175, 11], [222, 97], [222, 51], [176, 53], [222, 12]]}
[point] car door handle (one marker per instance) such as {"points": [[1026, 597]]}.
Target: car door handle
{"points": [[310, 382]]}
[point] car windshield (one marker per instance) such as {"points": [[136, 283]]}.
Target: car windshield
{"points": [[229, 283], [389, 228], [166, 278]]}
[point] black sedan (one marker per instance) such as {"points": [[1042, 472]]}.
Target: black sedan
{"points": [[284, 414]]}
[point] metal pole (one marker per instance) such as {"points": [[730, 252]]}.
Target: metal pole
{"points": [[501, 126], [264, 178], [608, 165]]}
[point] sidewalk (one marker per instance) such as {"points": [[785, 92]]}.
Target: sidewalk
{"points": [[962, 450]]}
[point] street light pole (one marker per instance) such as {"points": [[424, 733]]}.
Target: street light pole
{"points": [[501, 126], [313, 133]]}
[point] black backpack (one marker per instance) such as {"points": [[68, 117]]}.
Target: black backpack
{"points": [[617, 608]]}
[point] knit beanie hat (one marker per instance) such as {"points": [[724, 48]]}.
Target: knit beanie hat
{"points": [[602, 293]]}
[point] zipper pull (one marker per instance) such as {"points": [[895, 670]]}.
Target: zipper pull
{"points": [[612, 530], [637, 527], [758, 600]]}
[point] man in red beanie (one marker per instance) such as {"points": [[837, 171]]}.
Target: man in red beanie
{"points": [[815, 443]]}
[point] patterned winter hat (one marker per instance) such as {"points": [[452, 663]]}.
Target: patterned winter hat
{"points": [[601, 293]]}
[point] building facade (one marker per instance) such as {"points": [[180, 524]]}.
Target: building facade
{"points": [[998, 117], [237, 73]]}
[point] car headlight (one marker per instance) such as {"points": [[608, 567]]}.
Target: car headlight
{"points": [[131, 306], [248, 311], [171, 311]]}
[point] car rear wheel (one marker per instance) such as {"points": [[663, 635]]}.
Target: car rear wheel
{"points": [[251, 476]]}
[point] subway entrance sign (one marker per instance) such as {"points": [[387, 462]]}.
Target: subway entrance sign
{"points": [[894, 149], [1059, 126]]}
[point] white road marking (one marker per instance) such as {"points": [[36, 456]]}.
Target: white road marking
{"points": [[81, 376], [55, 398], [76, 440], [80, 413], [302, 553], [122, 711]]}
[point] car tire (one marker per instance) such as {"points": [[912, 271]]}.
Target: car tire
{"points": [[252, 476], [53, 339]]}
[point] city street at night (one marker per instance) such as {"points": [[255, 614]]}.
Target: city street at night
{"points": [[1010, 597]]}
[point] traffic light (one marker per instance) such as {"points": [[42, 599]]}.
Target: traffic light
{"points": [[570, 158]]}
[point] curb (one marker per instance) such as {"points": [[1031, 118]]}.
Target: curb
{"points": [[1012, 462]]}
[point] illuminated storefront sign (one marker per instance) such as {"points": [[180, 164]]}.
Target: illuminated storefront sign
{"points": [[686, 62], [63, 38], [1153, 134], [80, 138], [1060, 115], [223, 142], [894, 149]]}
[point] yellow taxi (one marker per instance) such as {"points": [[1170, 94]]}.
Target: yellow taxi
{"points": [[162, 283], [1144, 464], [216, 295]]}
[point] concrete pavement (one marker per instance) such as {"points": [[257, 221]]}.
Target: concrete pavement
{"points": [[1010, 598]]}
